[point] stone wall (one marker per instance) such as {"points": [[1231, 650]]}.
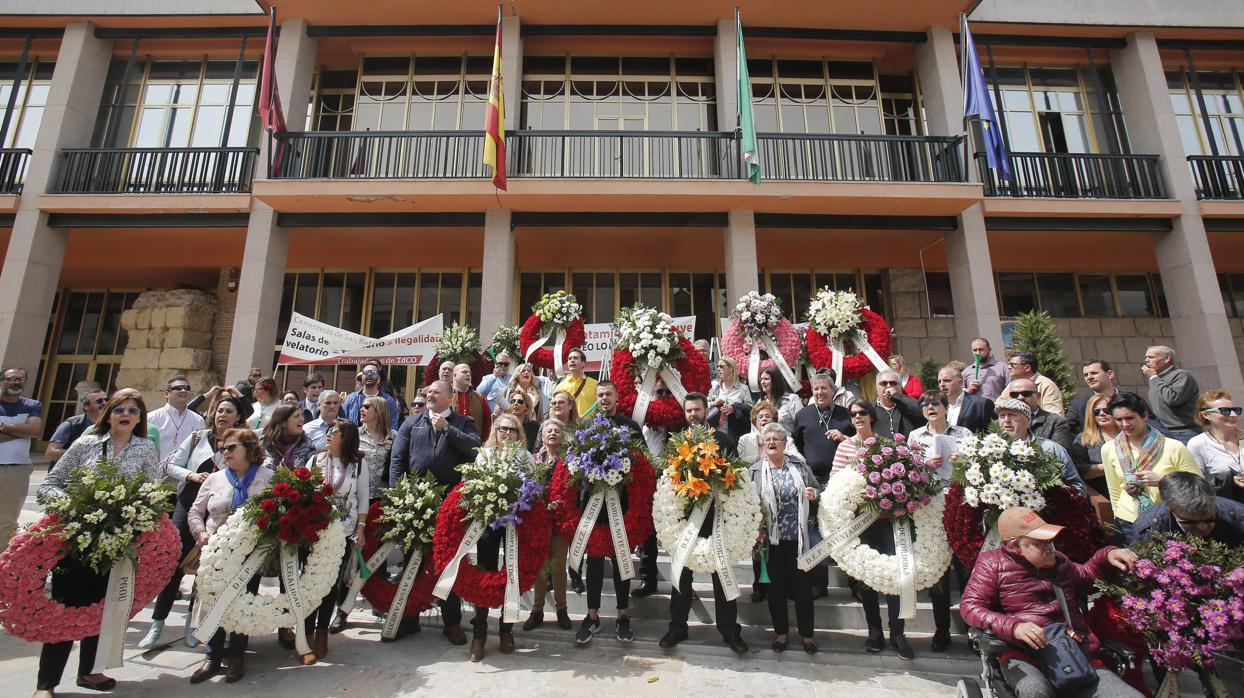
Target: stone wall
{"points": [[169, 332], [222, 333], [917, 335]]}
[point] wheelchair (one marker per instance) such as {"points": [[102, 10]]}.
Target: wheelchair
{"points": [[993, 683]]}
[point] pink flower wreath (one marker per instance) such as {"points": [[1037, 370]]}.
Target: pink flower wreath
{"points": [[738, 347], [26, 610]]}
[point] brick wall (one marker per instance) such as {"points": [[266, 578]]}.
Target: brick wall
{"points": [[226, 305]]}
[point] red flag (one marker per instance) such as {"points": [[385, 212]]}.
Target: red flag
{"points": [[494, 117], [270, 112]]}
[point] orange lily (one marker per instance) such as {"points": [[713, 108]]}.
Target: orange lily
{"points": [[686, 453], [729, 478], [707, 463]]}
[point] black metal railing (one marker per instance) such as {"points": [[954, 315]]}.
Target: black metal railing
{"points": [[1076, 176], [614, 155], [13, 163], [1218, 177], [861, 158], [156, 170]]}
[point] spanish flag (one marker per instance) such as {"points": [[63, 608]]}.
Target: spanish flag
{"points": [[494, 117]]}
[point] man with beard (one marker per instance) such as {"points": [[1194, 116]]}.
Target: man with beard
{"points": [[371, 388], [21, 419]]}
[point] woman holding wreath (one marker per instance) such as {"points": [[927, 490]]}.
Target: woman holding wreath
{"points": [[118, 435], [196, 458], [880, 536], [785, 486], [222, 492], [342, 465], [773, 388], [552, 439]]}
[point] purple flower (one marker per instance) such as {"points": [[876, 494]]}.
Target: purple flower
{"points": [[924, 502], [885, 503], [874, 477], [878, 460], [900, 511], [899, 469], [870, 441], [887, 451], [900, 497], [885, 488], [899, 438], [903, 450], [887, 474], [861, 469], [870, 491], [899, 488]]}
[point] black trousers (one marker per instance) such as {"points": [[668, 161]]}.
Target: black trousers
{"points": [[321, 616], [237, 641], [487, 550], [939, 594], [680, 607], [788, 582], [648, 561], [74, 585], [595, 579], [181, 519], [881, 537]]}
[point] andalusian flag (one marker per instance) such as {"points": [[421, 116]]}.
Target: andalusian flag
{"points": [[494, 117], [751, 155]]}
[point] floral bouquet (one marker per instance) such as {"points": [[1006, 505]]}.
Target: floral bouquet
{"points": [[293, 510], [836, 314], [759, 337], [499, 486], [900, 480], [505, 341], [600, 454], [696, 466], [845, 334], [998, 471], [1186, 596], [558, 309], [650, 336], [756, 315], [105, 512], [408, 510], [554, 328], [459, 344]]}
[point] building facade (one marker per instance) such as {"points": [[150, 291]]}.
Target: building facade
{"points": [[132, 160]]}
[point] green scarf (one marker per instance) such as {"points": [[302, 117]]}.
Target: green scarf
{"points": [[1150, 452]]}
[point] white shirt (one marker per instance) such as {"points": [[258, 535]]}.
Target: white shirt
{"points": [[952, 412], [261, 414], [317, 431], [1218, 464], [944, 445], [174, 428]]}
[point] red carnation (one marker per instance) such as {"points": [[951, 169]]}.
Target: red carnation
{"points": [[295, 496], [317, 497], [303, 474], [262, 523], [281, 489], [268, 505], [328, 490]]}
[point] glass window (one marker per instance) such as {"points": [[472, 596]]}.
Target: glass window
{"points": [[1018, 293], [1134, 300], [1096, 295], [1224, 110], [1055, 110], [1058, 294], [941, 300]]}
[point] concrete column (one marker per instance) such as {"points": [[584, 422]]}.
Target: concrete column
{"points": [[497, 294], [967, 249], [725, 67], [267, 244], [741, 265], [512, 69], [1189, 278], [36, 251]]}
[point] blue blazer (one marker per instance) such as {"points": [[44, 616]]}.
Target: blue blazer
{"points": [[975, 413]]}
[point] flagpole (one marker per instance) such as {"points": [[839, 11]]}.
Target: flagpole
{"points": [[963, 81], [738, 108]]}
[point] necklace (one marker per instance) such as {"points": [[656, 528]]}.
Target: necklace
{"points": [[1236, 457]]}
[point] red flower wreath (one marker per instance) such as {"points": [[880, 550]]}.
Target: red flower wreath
{"points": [[478, 586], [564, 500], [27, 612], [1063, 506], [481, 366], [379, 591], [666, 412], [857, 365], [543, 357]]}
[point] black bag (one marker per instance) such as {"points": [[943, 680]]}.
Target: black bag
{"points": [[1064, 664]]}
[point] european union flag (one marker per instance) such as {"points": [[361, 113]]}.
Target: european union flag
{"points": [[976, 103]]}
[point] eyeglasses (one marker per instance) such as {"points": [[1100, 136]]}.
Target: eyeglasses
{"points": [[519, 401], [1022, 393], [97, 401], [134, 411], [229, 448], [1196, 522], [930, 403], [887, 384], [503, 363], [179, 388], [332, 430], [1099, 411], [775, 440], [859, 414], [364, 407], [1227, 411], [371, 372], [14, 379], [507, 430], [418, 405]]}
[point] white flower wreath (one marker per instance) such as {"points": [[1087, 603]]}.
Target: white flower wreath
{"points": [[841, 501], [257, 614], [740, 514]]}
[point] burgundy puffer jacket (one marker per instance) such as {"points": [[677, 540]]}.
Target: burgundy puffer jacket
{"points": [[1006, 590]]}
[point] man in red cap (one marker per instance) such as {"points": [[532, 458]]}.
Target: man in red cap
{"points": [[1011, 593]]}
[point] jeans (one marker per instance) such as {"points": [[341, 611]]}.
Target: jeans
{"points": [[1028, 682], [1127, 531], [557, 563], [74, 585], [939, 594], [1183, 436], [680, 607], [595, 578], [787, 581]]}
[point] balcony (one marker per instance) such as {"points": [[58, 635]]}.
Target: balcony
{"points": [[1076, 176], [13, 162], [156, 170], [650, 155], [1218, 177]]}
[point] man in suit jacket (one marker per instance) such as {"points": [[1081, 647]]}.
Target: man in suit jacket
{"points": [[1046, 425], [436, 440], [971, 412]]}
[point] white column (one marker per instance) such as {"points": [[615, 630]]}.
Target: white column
{"points": [[36, 253], [267, 244], [741, 265], [497, 294], [1189, 278]]}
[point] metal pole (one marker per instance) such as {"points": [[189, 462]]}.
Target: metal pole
{"points": [[118, 107], [18, 75]]}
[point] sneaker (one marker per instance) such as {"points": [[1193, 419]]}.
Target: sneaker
{"points": [[153, 635], [588, 629], [623, 631]]}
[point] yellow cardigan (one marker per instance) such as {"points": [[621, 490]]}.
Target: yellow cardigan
{"points": [[1174, 458]]}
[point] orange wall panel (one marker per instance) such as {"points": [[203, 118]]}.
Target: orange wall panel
{"points": [[620, 248], [399, 248]]}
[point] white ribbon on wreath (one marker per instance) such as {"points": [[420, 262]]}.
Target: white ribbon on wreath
{"points": [[643, 397], [410, 572], [549, 331], [862, 344], [612, 503], [356, 584], [753, 364], [511, 606], [736, 519], [118, 598]]}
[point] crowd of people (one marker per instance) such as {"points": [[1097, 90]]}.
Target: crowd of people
{"points": [[1168, 461]]}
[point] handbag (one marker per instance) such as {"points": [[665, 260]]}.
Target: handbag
{"points": [[190, 564], [1063, 662]]}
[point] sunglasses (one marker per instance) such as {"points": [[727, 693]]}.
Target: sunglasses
{"points": [[1227, 411], [506, 430], [134, 411], [503, 363], [179, 388], [418, 405], [859, 414], [1196, 522], [1022, 393], [930, 403], [229, 448], [332, 430], [1099, 411], [887, 384], [97, 401], [371, 372], [519, 401]]}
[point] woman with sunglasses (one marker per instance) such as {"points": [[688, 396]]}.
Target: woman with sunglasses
{"points": [[284, 442], [118, 436], [1217, 449], [773, 388], [342, 465], [520, 407], [539, 389], [729, 397], [195, 459], [1085, 451], [880, 536], [552, 443], [226, 489], [563, 408]]}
